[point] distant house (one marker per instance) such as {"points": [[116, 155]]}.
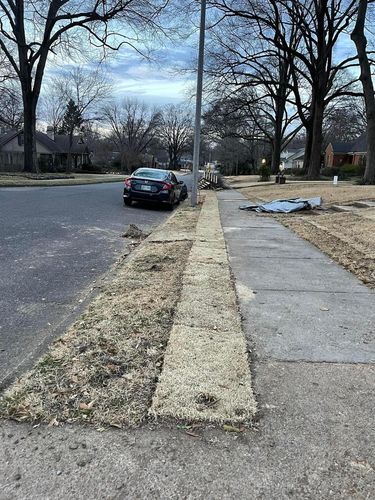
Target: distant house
{"points": [[293, 158], [52, 151], [337, 154], [359, 151], [346, 153]]}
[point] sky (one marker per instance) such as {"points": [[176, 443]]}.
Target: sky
{"points": [[165, 77], [161, 80]]}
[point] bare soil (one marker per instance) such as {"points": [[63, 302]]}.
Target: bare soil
{"points": [[104, 369]]}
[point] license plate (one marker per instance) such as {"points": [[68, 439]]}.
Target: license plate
{"points": [[146, 188]]}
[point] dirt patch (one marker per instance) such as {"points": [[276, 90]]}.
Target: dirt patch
{"points": [[104, 369], [349, 239], [134, 232], [343, 193]]}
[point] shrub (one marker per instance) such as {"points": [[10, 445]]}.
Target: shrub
{"points": [[344, 171], [265, 173], [352, 170], [297, 172], [330, 171]]}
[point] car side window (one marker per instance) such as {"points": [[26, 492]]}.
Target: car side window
{"points": [[174, 178]]}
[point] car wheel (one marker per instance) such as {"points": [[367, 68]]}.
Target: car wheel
{"points": [[171, 203], [127, 202]]}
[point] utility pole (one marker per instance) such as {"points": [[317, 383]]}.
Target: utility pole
{"points": [[198, 107]]}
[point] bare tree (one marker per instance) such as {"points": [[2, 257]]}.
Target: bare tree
{"points": [[88, 88], [175, 132], [51, 109], [360, 40], [133, 126], [6, 72], [233, 129], [11, 115], [316, 73], [256, 76], [344, 121], [31, 31]]}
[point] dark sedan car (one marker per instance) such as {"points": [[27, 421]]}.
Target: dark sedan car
{"points": [[155, 185]]}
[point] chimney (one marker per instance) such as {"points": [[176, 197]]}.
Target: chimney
{"points": [[50, 133]]}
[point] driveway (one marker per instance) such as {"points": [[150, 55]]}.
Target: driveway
{"points": [[55, 244]]}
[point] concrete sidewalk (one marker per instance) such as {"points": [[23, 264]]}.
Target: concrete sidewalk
{"points": [[305, 306], [309, 326]]}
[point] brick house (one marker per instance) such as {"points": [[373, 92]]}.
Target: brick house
{"points": [[337, 154], [359, 151], [346, 153]]}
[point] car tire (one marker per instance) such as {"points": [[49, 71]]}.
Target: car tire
{"points": [[127, 202]]}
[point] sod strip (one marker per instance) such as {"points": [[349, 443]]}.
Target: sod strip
{"points": [[104, 369], [206, 375]]}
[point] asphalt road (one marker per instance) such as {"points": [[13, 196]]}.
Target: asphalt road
{"points": [[55, 243]]}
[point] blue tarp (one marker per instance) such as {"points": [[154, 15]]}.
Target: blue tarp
{"points": [[285, 206]]}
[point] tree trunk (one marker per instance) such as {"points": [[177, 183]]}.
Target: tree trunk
{"points": [[276, 153], [279, 118], [170, 154], [316, 141], [69, 161], [369, 177], [359, 38], [30, 154], [307, 155]]}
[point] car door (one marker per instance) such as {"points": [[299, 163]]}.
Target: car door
{"points": [[177, 186]]}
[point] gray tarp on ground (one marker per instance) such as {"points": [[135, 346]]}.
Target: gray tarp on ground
{"points": [[285, 206]]}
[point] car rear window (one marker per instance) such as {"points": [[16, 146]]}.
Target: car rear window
{"points": [[150, 173]]}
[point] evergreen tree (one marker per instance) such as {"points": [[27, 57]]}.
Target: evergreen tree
{"points": [[72, 119], [72, 122]]}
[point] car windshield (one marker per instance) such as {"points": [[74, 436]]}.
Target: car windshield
{"points": [[150, 173]]}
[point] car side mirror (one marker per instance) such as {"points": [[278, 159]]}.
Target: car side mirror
{"points": [[180, 182]]}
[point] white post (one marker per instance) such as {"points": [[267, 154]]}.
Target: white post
{"points": [[198, 108]]}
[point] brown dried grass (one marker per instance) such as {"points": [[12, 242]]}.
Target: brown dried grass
{"points": [[343, 193], [348, 238], [104, 369], [206, 373]]}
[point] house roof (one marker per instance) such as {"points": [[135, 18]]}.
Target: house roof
{"points": [[8, 136], [360, 145], [59, 145], [78, 145], [299, 153], [48, 143], [342, 147]]}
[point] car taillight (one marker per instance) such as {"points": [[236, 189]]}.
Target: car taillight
{"points": [[167, 185], [128, 183]]}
